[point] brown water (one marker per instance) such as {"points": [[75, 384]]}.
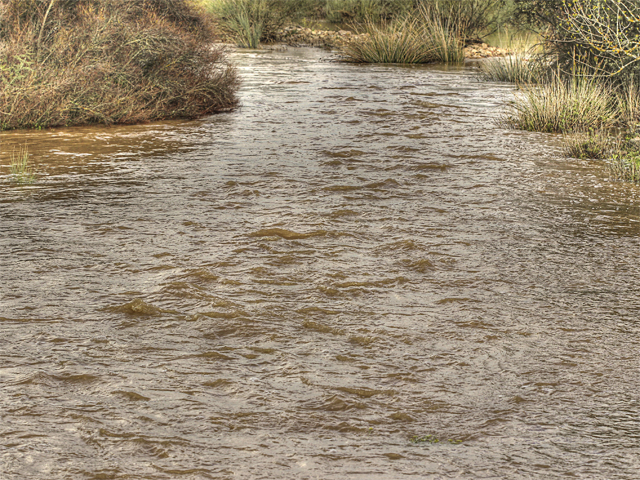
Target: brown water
{"points": [[357, 256]]}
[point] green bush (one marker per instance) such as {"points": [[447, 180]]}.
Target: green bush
{"points": [[108, 61]]}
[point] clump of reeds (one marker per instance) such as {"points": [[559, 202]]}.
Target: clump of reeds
{"points": [[523, 65], [109, 61], [21, 171], [517, 67], [250, 22], [445, 33], [394, 42], [629, 103], [574, 104], [421, 37]]}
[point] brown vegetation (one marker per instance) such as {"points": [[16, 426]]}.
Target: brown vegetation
{"points": [[71, 62]]}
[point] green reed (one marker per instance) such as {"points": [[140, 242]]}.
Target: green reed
{"points": [[21, 170], [574, 104], [420, 37]]}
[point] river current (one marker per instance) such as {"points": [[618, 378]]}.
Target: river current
{"points": [[359, 274]]}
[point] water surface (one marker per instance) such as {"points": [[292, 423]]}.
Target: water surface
{"points": [[358, 256]]}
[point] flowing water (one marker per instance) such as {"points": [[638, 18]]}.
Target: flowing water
{"points": [[356, 263]]}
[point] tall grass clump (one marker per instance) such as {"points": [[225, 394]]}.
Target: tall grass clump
{"points": [[73, 62], [250, 22], [629, 102], [444, 32], [395, 42], [478, 17], [524, 64], [517, 67], [359, 11], [417, 38], [21, 171], [574, 104]]}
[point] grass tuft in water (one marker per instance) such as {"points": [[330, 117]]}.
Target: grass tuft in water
{"points": [[21, 171], [576, 104], [621, 153], [422, 37], [395, 42], [518, 67]]}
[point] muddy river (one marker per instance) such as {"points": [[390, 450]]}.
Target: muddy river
{"points": [[359, 274]]}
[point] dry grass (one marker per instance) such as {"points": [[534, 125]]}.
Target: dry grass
{"points": [[108, 61]]}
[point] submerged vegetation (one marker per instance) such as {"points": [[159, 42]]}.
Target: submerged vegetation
{"points": [[21, 170], [108, 61]]}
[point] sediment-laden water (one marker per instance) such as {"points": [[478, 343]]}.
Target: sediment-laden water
{"points": [[357, 257]]}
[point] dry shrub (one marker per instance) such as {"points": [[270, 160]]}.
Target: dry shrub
{"points": [[72, 62]]}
